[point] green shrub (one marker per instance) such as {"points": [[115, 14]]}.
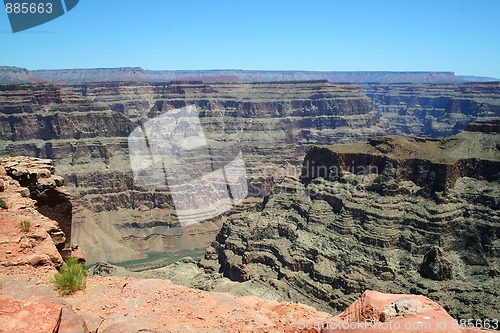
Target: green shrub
{"points": [[3, 204], [71, 277], [25, 225]]}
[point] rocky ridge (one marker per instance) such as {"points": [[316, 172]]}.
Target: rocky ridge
{"points": [[425, 222], [16, 74]]}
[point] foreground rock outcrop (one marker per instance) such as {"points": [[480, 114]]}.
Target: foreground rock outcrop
{"points": [[39, 247], [396, 214], [130, 305], [377, 312]]}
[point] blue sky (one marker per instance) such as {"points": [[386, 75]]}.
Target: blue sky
{"points": [[458, 36]]}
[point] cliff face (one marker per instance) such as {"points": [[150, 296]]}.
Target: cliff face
{"points": [[434, 165], [34, 194], [115, 220], [424, 218], [433, 110], [52, 199], [85, 127]]}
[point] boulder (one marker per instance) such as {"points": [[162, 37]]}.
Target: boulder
{"points": [[436, 265]]}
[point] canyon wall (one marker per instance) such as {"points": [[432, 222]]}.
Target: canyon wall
{"points": [[393, 214], [84, 127], [116, 220], [433, 110]]}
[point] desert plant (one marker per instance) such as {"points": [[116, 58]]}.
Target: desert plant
{"points": [[71, 277], [3, 204], [25, 225]]}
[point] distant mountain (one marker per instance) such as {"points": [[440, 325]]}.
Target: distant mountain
{"points": [[16, 74]]}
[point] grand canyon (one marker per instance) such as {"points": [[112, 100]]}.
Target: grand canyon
{"points": [[365, 189]]}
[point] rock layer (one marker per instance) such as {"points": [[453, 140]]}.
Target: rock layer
{"points": [[15, 74], [328, 239], [433, 110], [84, 129], [52, 198]]}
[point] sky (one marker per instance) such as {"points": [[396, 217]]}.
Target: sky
{"points": [[376, 35]]}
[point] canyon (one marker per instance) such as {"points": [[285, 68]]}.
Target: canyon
{"points": [[29, 258], [84, 128], [395, 214], [392, 214]]}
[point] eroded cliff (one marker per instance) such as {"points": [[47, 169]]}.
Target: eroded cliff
{"points": [[433, 110], [36, 219], [84, 127], [395, 214], [116, 220]]}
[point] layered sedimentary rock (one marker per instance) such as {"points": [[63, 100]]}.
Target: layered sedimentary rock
{"points": [[117, 220], [395, 214], [86, 141], [274, 122], [433, 110], [15, 74], [85, 129]]}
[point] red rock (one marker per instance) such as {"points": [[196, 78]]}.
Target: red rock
{"points": [[381, 313], [36, 260], [72, 322], [29, 316], [76, 252]]}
